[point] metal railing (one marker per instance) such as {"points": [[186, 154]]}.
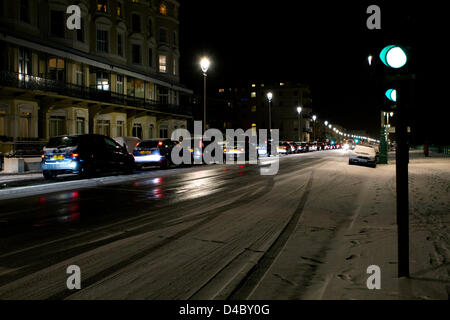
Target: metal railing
{"points": [[27, 82]]}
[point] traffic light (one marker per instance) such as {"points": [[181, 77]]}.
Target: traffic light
{"points": [[393, 56], [391, 94]]}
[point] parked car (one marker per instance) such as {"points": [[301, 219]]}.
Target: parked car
{"points": [[84, 155], [129, 142], [154, 153], [363, 155]]}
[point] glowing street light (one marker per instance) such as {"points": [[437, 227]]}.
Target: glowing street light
{"points": [[299, 110], [204, 64]]}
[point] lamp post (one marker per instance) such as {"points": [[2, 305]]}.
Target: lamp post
{"points": [[204, 64], [314, 117], [299, 110], [269, 146], [326, 125]]}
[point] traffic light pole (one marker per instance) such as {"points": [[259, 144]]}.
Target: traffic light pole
{"points": [[402, 160]]}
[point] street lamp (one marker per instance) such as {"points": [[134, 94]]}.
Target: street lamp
{"points": [[269, 147], [204, 64], [314, 117], [299, 110]]}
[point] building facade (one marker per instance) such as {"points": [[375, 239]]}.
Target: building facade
{"points": [[118, 75]]}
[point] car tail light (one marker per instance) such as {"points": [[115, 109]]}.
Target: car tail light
{"points": [[160, 143], [42, 156], [75, 156]]}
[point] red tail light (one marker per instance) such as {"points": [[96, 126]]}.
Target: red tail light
{"points": [[42, 156], [160, 143]]}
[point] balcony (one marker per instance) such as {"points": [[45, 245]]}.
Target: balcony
{"points": [[27, 82]]}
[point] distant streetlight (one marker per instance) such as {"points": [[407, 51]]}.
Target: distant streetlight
{"points": [[204, 64], [314, 117], [299, 110]]}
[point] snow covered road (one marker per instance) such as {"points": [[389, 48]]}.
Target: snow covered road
{"points": [[226, 232]]}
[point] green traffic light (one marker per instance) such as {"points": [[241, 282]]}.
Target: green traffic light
{"points": [[391, 94], [393, 56]]}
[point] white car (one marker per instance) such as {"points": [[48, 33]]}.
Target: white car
{"points": [[363, 155]]}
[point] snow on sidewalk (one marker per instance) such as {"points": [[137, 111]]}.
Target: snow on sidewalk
{"points": [[349, 224]]}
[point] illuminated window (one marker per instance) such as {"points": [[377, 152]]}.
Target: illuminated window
{"points": [[162, 63], [253, 85], [253, 108], [135, 1], [163, 9], [253, 95], [221, 90], [262, 84], [102, 6], [281, 84], [119, 9], [102, 81]]}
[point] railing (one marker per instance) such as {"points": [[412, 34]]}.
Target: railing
{"points": [[22, 81], [24, 148]]}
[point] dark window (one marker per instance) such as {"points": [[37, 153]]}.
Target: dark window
{"points": [[24, 11], [136, 53], [163, 35], [150, 27], [175, 40], [120, 44], [57, 23], [136, 22], [137, 130], [150, 57], [102, 41], [80, 32]]}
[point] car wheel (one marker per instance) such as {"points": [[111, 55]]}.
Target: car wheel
{"points": [[48, 175], [86, 171]]}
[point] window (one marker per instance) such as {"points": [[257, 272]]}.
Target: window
{"points": [[102, 6], [24, 11], [150, 27], [25, 125], [163, 9], [57, 126], [137, 130], [80, 32], [150, 131], [163, 35], [150, 57], [136, 54], [102, 81], [163, 95], [104, 127], [163, 132], [162, 64], [136, 23], [119, 84], [2, 123], [174, 67], [120, 44], [81, 125], [57, 26], [253, 109], [102, 41], [56, 69], [119, 9], [24, 63], [120, 129], [253, 94], [79, 78], [175, 39]]}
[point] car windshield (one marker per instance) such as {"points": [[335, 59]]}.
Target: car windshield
{"points": [[63, 142]]}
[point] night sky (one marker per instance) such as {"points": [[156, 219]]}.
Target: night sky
{"points": [[324, 44]]}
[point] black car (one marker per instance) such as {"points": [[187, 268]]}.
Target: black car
{"points": [[84, 155], [155, 153]]}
